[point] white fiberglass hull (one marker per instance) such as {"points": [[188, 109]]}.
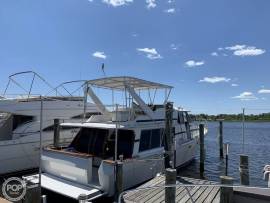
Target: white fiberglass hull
{"points": [[61, 167], [23, 153]]}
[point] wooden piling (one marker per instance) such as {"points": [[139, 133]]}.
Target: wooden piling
{"points": [[226, 147], [169, 159], [119, 180], [226, 192], [243, 169], [56, 136], [170, 179], [202, 154], [220, 139]]}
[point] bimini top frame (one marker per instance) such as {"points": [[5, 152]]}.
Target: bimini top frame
{"points": [[119, 83], [27, 92], [54, 93], [131, 86]]}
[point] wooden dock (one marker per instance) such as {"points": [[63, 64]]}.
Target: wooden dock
{"points": [[201, 194]]}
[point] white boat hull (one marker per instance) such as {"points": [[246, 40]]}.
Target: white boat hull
{"points": [[23, 153]]}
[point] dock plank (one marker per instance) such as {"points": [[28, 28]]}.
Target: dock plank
{"points": [[204, 195], [194, 192], [197, 192], [136, 194], [211, 195], [191, 193], [149, 192], [217, 198]]}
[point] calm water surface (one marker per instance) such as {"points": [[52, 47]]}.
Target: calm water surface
{"points": [[257, 147]]}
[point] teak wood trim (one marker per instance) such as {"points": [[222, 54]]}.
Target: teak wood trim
{"points": [[77, 154]]}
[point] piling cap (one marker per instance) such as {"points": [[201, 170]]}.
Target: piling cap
{"points": [[82, 197], [226, 180]]}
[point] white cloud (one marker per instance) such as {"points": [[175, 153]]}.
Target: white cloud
{"points": [[244, 50], [245, 96], [249, 51], [234, 85], [90, 0], [170, 10], [235, 47], [116, 3], [215, 79], [151, 4], [151, 53], [192, 63], [170, 1], [214, 54], [99, 54], [264, 91]]}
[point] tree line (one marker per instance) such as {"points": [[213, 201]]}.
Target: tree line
{"points": [[232, 117]]}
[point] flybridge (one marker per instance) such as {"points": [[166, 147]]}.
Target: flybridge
{"points": [[131, 87]]}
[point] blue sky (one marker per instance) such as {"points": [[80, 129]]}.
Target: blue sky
{"points": [[214, 52]]}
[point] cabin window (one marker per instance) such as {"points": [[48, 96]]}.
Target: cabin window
{"points": [[163, 136], [101, 142], [125, 143], [21, 119], [90, 141], [180, 118], [150, 139], [188, 117]]}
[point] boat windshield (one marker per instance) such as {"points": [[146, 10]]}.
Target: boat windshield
{"points": [[101, 142]]}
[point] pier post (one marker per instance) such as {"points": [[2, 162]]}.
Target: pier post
{"points": [[220, 139], [56, 133], [202, 152], [226, 192], [243, 169], [82, 198], [169, 159], [170, 179], [119, 179], [226, 147]]}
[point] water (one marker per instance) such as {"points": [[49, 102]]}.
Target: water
{"points": [[257, 147]]}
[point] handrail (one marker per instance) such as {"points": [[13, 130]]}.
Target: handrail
{"points": [[68, 82], [12, 79]]}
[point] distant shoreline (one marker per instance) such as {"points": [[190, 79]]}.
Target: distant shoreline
{"points": [[259, 121], [263, 117]]}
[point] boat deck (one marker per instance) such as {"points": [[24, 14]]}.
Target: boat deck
{"points": [[183, 193]]}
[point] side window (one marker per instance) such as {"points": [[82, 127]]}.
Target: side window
{"points": [[155, 138], [162, 131], [181, 119], [145, 140], [150, 139]]}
